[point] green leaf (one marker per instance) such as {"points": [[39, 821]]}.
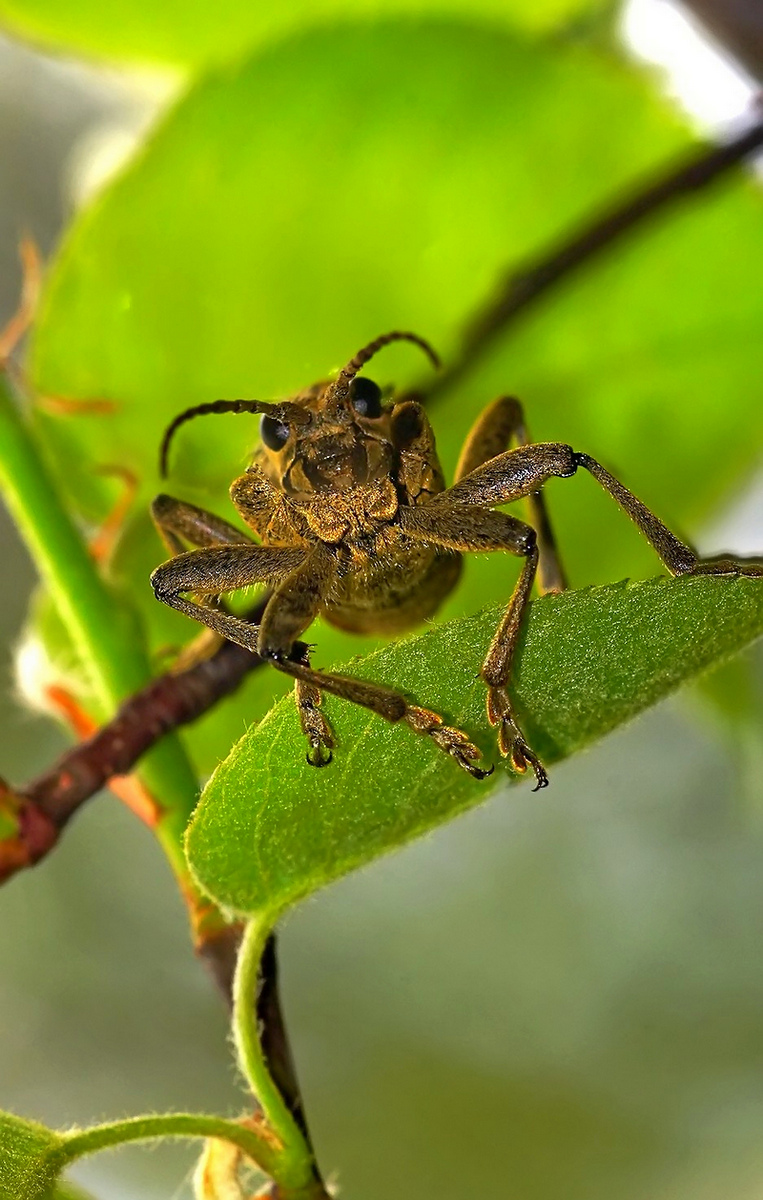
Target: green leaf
{"points": [[196, 33], [261, 239], [269, 829], [29, 1159]]}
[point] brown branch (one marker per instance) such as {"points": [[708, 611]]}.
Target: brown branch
{"points": [[527, 284], [42, 808]]}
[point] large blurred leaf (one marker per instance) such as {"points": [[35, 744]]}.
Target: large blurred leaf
{"points": [[287, 212], [270, 829], [198, 33], [28, 1159]]}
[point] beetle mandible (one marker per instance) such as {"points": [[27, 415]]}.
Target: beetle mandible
{"points": [[348, 500]]}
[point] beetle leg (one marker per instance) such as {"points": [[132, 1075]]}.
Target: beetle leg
{"points": [[393, 707], [495, 430], [219, 569], [178, 522], [466, 529], [679, 558], [517, 473], [454, 519]]}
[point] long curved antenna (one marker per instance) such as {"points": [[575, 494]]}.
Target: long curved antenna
{"points": [[289, 414], [341, 385]]}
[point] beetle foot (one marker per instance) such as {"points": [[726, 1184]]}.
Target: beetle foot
{"points": [[511, 742], [320, 753], [320, 736], [728, 566], [452, 741], [315, 725]]}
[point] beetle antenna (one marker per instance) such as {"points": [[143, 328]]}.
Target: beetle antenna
{"points": [[341, 385], [289, 414]]}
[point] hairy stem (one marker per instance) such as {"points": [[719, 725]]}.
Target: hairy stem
{"points": [[255, 1145], [297, 1166]]}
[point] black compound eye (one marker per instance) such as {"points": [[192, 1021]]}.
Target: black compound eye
{"points": [[366, 397], [274, 434]]}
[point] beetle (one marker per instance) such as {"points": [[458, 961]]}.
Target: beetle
{"points": [[354, 522]]}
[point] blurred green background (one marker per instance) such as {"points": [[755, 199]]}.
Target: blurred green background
{"points": [[556, 996]]}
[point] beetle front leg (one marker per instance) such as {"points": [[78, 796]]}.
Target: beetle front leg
{"points": [[219, 569], [394, 708], [178, 524], [292, 608], [496, 671]]}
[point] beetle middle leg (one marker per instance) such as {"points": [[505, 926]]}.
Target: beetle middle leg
{"points": [[394, 707], [312, 719], [214, 570]]}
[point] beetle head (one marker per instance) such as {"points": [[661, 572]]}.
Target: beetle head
{"points": [[333, 436], [347, 441]]}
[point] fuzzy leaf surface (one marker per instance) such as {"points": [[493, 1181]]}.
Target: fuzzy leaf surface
{"points": [[28, 1159], [270, 829]]}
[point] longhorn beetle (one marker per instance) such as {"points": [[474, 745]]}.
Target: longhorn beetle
{"points": [[348, 500]]}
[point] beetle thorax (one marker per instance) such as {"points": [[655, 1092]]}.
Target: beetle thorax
{"points": [[353, 515]]}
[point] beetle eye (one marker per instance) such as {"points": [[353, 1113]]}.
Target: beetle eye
{"points": [[366, 397], [274, 433]]}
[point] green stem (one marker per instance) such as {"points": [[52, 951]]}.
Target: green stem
{"points": [[66, 1190], [182, 1125], [295, 1168], [105, 638]]}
